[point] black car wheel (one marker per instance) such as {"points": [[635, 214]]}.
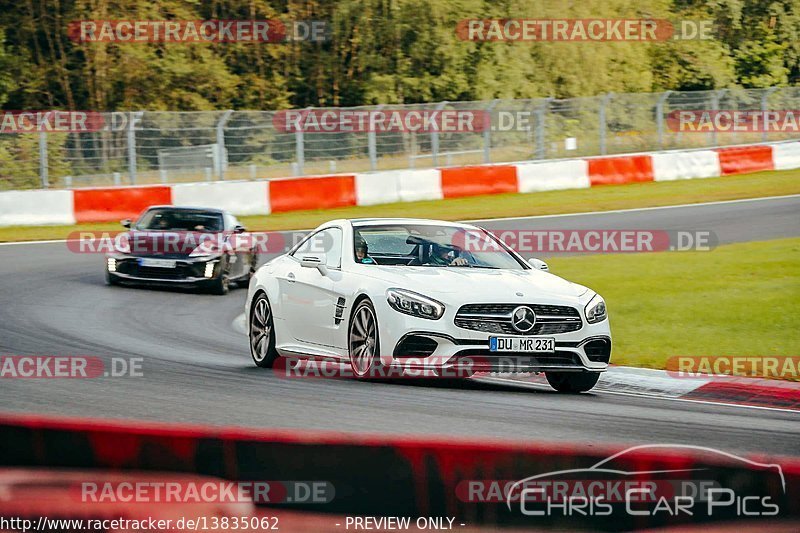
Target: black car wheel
{"points": [[245, 281], [262, 333], [572, 381], [221, 284]]}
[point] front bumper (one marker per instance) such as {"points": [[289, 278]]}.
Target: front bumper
{"points": [[421, 344], [187, 272]]}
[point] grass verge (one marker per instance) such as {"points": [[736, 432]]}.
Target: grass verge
{"points": [[606, 198], [739, 299]]}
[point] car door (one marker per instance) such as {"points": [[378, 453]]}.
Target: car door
{"points": [[308, 300]]}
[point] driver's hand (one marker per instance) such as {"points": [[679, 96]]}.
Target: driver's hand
{"points": [[459, 261]]}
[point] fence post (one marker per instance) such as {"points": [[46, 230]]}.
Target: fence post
{"points": [[299, 149], [660, 117], [715, 96], [487, 133], [372, 146], [435, 138], [222, 153], [132, 117], [764, 104], [604, 100], [43, 170], [540, 128]]}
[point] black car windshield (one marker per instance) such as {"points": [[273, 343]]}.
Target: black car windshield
{"points": [[431, 245], [180, 220]]}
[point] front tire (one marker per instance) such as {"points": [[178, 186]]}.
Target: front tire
{"points": [[572, 382], [262, 333], [245, 281], [222, 283], [363, 340]]}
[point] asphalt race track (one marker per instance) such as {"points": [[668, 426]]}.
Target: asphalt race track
{"points": [[197, 367]]}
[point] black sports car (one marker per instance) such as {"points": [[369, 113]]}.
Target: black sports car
{"points": [[186, 246]]}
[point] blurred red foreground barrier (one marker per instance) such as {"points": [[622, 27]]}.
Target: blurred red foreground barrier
{"points": [[379, 474]]}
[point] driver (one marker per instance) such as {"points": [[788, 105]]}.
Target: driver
{"points": [[440, 255], [362, 251], [162, 223]]}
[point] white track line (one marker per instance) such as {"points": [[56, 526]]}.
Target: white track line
{"points": [[634, 209], [56, 241]]}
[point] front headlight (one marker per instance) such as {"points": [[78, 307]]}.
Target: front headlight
{"points": [[595, 310], [414, 304]]}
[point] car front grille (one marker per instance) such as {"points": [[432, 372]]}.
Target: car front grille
{"points": [[181, 271], [496, 318]]}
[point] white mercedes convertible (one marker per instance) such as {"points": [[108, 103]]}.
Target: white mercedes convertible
{"points": [[441, 297]]}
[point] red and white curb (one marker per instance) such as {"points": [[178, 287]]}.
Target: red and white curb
{"points": [[737, 391]]}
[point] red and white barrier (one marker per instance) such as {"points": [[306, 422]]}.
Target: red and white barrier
{"points": [[553, 175], [103, 205], [370, 188], [620, 170], [390, 186], [786, 155], [669, 166], [240, 197], [31, 208], [314, 192], [743, 159]]}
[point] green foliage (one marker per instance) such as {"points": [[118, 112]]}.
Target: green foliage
{"points": [[381, 51]]}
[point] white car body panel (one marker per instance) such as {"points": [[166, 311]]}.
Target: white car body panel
{"points": [[305, 308]]}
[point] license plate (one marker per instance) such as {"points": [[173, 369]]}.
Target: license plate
{"points": [[156, 263], [522, 344]]}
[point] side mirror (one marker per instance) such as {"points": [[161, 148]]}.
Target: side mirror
{"points": [[126, 223], [239, 229], [314, 261], [538, 264]]}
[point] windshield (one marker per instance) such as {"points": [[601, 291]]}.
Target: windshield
{"points": [[431, 246], [180, 220]]}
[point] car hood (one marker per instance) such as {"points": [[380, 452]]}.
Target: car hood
{"points": [[480, 285]]}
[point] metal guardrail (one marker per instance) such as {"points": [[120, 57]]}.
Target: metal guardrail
{"points": [[249, 145]]}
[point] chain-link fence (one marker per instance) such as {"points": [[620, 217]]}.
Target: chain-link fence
{"points": [[147, 147]]}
